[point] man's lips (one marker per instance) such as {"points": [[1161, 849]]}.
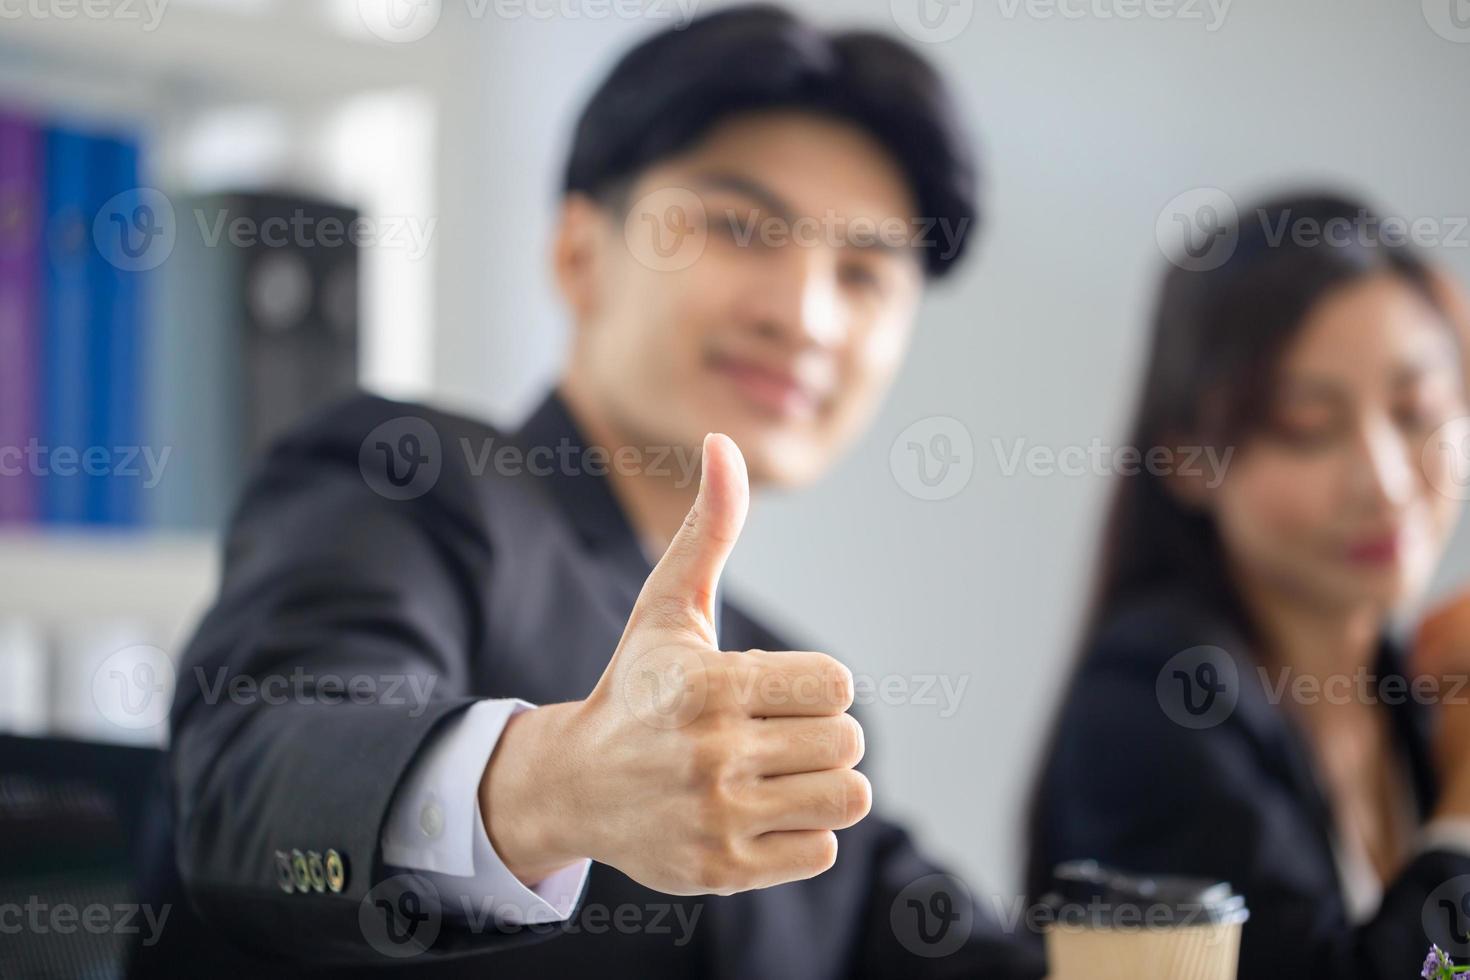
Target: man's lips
{"points": [[776, 391]]}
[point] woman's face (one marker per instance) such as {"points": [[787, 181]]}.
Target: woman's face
{"points": [[1335, 501]]}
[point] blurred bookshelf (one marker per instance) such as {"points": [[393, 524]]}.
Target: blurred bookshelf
{"points": [[274, 51], [152, 576], [219, 98]]}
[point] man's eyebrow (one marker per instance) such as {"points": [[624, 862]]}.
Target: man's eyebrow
{"points": [[740, 184], [773, 202]]}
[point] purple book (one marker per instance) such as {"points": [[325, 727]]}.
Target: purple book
{"points": [[20, 205]]}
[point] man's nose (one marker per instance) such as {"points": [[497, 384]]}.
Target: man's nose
{"points": [[802, 304]]}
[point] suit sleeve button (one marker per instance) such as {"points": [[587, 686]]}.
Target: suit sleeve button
{"points": [[431, 820], [336, 872], [316, 872], [283, 872], [299, 872]]}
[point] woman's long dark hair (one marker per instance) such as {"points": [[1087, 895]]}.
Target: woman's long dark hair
{"points": [[1218, 338]]}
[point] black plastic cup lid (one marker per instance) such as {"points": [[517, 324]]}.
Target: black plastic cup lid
{"points": [[1085, 894]]}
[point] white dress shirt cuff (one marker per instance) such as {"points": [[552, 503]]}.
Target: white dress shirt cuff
{"points": [[435, 829], [1446, 834]]}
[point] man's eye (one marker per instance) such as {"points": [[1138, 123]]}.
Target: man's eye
{"points": [[854, 274], [742, 228], [724, 226]]}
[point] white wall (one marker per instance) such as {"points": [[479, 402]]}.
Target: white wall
{"points": [[1089, 127]]}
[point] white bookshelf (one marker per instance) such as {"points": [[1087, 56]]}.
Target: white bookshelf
{"points": [[77, 606], [158, 577], [283, 52]]}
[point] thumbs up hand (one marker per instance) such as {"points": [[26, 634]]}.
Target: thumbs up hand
{"points": [[690, 769]]}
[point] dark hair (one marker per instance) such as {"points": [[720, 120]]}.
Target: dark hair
{"points": [[667, 92], [1218, 337]]}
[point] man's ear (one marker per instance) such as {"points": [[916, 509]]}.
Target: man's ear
{"points": [[577, 254]]}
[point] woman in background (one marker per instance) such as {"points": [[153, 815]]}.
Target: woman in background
{"points": [[1239, 713]]}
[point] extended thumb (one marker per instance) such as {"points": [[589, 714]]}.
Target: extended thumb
{"points": [[690, 568]]}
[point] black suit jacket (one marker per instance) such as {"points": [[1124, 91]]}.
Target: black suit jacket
{"points": [[495, 583], [1227, 789]]}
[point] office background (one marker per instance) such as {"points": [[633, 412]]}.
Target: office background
{"points": [[1091, 124]]}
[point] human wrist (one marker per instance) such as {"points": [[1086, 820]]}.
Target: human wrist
{"points": [[529, 818]]}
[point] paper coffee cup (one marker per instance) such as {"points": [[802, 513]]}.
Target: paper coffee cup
{"points": [[1105, 925]]}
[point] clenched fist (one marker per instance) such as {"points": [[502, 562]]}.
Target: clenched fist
{"points": [[690, 769]]}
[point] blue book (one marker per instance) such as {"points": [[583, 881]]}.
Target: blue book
{"points": [[66, 316], [116, 341]]}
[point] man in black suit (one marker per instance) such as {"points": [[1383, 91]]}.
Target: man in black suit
{"points": [[447, 704]]}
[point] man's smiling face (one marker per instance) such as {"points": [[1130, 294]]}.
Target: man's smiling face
{"points": [[759, 284]]}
